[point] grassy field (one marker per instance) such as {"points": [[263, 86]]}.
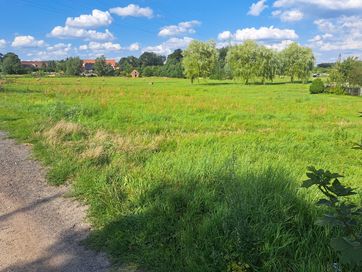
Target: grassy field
{"points": [[184, 177]]}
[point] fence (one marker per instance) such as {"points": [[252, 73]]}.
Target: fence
{"points": [[354, 91]]}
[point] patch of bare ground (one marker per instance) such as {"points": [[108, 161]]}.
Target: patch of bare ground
{"points": [[40, 228]]}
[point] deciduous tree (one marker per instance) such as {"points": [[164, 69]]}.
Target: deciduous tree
{"points": [[73, 66], [102, 68], [151, 59], [243, 60], [298, 62], [199, 59], [267, 64], [11, 64]]}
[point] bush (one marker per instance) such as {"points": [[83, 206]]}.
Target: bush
{"points": [[338, 90], [317, 87]]}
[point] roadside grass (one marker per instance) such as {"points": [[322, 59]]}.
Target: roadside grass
{"points": [[184, 177]]}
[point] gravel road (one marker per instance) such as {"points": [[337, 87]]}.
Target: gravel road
{"points": [[40, 228]]}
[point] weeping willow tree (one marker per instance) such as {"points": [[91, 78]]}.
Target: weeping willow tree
{"points": [[199, 59]]}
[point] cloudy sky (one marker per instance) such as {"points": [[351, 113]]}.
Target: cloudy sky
{"points": [[43, 29]]}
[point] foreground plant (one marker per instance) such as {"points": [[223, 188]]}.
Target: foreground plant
{"points": [[342, 214]]}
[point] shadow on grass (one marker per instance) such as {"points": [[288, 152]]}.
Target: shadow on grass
{"points": [[219, 221], [249, 84], [10, 118], [19, 91]]}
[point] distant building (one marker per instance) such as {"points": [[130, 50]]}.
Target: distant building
{"points": [[135, 74], [34, 64], [88, 65]]}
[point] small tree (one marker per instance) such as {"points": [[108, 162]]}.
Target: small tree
{"points": [[11, 64], [199, 59], [342, 214]]}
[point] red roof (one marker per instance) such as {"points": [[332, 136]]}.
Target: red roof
{"points": [[34, 63], [111, 62]]}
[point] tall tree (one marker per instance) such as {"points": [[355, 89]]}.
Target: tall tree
{"points": [[102, 68], [11, 64], [173, 66], [243, 60], [298, 62], [267, 64], [151, 59], [175, 57], [73, 66], [199, 59]]}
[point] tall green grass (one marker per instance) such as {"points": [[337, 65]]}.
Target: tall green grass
{"points": [[191, 178]]}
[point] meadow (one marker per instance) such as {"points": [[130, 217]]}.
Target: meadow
{"points": [[182, 177]]}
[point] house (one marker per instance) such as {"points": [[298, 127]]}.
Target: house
{"points": [[34, 64], [88, 65], [135, 74]]}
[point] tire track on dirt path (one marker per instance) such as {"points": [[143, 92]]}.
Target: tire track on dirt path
{"points": [[40, 229]]}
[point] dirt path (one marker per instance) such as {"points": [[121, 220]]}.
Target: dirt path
{"points": [[40, 229]]}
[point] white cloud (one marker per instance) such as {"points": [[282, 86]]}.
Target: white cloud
{"points": [[134, 47], [257, 8], [98, 18], [27, 41], [224, 36], [319, 38], [279, 46], [339, 34], [169, 46], [289, 15], [53, 52], [2, 43], [133, 11], [108, 46], [72, 32], [181, 28], [262, 33], [96, 46], [324, 4]]}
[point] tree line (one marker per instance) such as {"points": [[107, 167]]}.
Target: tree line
{"points": [[247, 61], [148, 64]]}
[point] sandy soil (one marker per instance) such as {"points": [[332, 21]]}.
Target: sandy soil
{"points": [[40, 228]]}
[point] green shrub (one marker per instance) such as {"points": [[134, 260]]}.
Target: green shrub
{"points": [[317, 87], [338, 89]]}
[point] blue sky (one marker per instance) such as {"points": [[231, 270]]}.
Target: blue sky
{"points": [[42, 29]]}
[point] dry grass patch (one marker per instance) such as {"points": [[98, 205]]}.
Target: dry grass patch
{"points": [[61, 132]]}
